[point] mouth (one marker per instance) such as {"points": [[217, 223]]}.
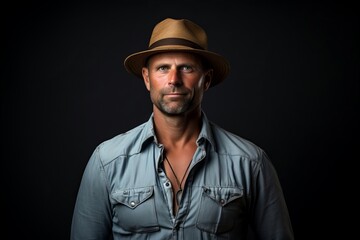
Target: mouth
{"points": [[175, 94]]}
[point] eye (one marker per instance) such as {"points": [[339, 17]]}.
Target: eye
{"points": [[186, 68], [163, 68]]}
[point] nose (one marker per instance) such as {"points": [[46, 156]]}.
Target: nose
{"points": [[174, 77]]}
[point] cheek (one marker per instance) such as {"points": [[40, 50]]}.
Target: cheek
{"points": [[154, 94]]}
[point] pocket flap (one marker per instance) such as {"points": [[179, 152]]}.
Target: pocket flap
{"points": [[132, 197], [223, 195]]}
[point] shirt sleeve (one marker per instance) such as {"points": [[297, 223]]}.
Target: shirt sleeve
{"points": [[270, 217], [92, 215]]}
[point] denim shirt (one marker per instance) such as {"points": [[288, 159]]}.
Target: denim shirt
{"points": [[125, 194]]}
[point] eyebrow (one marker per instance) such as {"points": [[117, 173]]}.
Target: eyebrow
{"points": [[192, 64]]}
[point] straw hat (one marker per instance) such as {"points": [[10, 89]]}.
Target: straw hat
{"points": [[179, 35]]}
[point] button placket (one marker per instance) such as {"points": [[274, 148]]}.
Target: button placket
{"points": [[167, 184]]}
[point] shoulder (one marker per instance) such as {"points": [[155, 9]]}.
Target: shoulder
{"points": [[127, 143], [229, 143]]}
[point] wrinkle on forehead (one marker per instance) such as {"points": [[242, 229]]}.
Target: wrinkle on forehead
{"points": [[177, 58]]}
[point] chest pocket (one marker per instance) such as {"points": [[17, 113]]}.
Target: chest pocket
{"points": [[221, 209], [134, 209]]}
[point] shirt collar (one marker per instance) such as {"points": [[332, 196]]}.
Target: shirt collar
{"points": [[206, 132], [148, 133]]}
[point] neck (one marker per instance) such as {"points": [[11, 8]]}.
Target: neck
{"points": [[177, 130]]}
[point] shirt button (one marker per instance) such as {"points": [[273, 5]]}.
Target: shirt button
{"points": [[132, 204], [222, 201], [167, 184]]}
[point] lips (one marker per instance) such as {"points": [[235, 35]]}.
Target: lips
{"points": [[175, 94]]}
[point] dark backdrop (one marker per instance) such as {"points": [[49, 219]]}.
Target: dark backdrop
{"points": [[293, 90]]}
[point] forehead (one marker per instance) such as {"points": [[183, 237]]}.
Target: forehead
{"points": [[177, 56]]}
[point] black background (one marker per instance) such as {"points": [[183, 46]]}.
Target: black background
{"points": [[293, 90]]}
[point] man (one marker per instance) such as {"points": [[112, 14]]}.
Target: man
{"points": [[179, 176]]}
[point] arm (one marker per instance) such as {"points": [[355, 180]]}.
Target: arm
{"points": [[92, 213], [270, 218]]}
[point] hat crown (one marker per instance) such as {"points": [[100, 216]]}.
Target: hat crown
{"points": [[181, 29]]}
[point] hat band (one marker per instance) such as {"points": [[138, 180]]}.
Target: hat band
{"points": [[175, 41]]}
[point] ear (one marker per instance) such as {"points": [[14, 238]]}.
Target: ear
{"points": [[208, 79], [145, 74]]}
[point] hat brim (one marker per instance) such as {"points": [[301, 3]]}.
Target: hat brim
{"points": [[221, 67]]}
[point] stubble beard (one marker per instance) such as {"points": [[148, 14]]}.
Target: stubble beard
{"points": [[172, 108]]}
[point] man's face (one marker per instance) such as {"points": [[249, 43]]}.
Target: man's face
{"points": [[176, 82]]}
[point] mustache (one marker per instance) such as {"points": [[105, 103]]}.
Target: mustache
{"points": [[174, 89]]}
